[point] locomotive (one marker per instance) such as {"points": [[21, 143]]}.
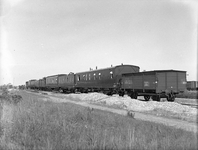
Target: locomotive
{"points": [[120, 79]]}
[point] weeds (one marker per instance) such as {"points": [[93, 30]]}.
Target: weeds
{"points": [[188, 94], [46, 125]]}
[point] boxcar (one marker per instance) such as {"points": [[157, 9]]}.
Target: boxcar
{"points": [[107, 80], [66, 82], [155, 84]]}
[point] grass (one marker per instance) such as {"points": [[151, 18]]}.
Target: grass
{"points": [[188, 94], [169, 114], [46, 125]]}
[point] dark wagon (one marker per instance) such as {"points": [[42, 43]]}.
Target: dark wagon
{"points": [[36, 84], [156, 84], [42, 84], [52, 82], [66, 82], [31, 84], [105, 80], [27, 84], [192, 85]]}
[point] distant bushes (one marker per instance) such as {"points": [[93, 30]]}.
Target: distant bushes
{"points": [[10, 98], [188, 94]]}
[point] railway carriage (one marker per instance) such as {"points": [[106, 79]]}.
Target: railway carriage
{"points": [[52, 82], [26, 84], [31, 84], [105, 80], [36, 84], [156, 84], [66, 82], [42, 84]]}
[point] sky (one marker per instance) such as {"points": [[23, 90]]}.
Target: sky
{"points": [[39, 38]]}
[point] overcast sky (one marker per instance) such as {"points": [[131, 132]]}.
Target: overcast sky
{"points": [[47, 37]]}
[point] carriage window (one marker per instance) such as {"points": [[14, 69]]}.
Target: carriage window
{"points": [[99, 76], [94, 76], [111, 73], [86, 76], [89, 76], [78, 78]]}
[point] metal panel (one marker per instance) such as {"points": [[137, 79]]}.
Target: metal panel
{"points": [[137, 81], [181, 81], [171, 81], [65, 81], [149, 81], [36, 83], [52, 80], [42, 82]]}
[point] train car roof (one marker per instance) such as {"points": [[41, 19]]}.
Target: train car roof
{"points": [[153, 71], [32, 80], [105, 68], [56, 75]]}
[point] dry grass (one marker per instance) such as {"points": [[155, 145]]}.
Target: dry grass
{"points": [[188, 94], [46, 125]]}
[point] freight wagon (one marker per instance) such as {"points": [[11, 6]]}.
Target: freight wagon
{"points": [[192, 85], [105, 80], [156, 84]]}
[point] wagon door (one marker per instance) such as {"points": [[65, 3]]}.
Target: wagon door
{"points": [[181, 81], [171, 81], [149, 82]]}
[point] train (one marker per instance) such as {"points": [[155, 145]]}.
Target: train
{"points": [[192, 85], [120, 79]]}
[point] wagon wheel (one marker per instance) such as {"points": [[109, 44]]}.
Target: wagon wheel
{"points": [[121, 93], [147, 97], [134, 95], [171, 98]]}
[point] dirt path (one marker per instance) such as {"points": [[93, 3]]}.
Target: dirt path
{"points": [[189, 126]]}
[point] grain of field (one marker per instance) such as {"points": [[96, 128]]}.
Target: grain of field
{"points": [[46, 125]]}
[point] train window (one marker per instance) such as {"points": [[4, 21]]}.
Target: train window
{"points": [[99, 76], [94, 76], [78, 78], [86, 76], [89, 76], [111, 73]]}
